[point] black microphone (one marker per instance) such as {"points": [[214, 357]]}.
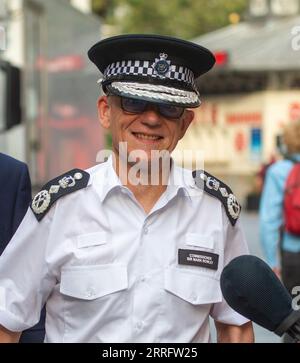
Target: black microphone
{"points": [[252, 289]]}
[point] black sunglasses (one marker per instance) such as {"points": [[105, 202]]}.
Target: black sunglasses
{"points": [[135, 106]]}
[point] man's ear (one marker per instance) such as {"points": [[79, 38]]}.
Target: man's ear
{"points": [[104, 111], [187, 119]]}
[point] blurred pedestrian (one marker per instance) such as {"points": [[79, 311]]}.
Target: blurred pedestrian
{"points": [[280, 243], [261, 175], [15, 196]]}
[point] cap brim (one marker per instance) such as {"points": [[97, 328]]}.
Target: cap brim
{"points": [[155, 93]]}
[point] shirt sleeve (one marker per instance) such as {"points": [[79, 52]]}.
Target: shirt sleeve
{"points": [[270, 216], [25, 282], [235, 245]]}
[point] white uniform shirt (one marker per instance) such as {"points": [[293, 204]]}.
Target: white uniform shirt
{"points": [[109, 273]]}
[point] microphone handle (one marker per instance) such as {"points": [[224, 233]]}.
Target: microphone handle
{"points": [[290, 325], [294, 331]]}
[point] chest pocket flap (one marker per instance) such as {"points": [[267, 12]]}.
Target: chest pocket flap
{"points": [[194, 288], [92, 282], [92, 239], [199, 240]]}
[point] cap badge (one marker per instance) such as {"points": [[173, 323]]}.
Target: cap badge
{"points": [[161, 66]]}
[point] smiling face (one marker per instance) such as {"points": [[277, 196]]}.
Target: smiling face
{"points": [[146, 131]]}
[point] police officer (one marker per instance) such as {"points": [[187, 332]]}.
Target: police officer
{"points": [[123, 252]]}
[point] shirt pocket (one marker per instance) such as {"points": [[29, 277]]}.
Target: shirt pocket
{"points": [[93, 282], [199, 240], [192, 287]]}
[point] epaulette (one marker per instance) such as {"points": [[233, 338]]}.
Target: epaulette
{"points": [[220, 190], [64, 184]]}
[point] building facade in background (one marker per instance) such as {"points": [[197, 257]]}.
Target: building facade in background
{"points": [[47, 41], [253, 90]]}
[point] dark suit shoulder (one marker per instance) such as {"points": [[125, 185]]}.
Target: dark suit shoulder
{"points": [[15, 195], [10, 165]]}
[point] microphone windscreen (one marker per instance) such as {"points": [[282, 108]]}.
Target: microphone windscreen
{"points": [[251, 288]]}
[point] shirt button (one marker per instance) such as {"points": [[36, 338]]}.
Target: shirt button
{"points": [[90, 292], [139, 325], [194, 298], [143, 278], [146, 230]]}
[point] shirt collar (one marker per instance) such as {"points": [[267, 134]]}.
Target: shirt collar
{"points": [[107, 179], [180, 182]]}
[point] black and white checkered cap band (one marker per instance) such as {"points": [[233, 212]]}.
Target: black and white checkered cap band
{"points": [[145, 68]]}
